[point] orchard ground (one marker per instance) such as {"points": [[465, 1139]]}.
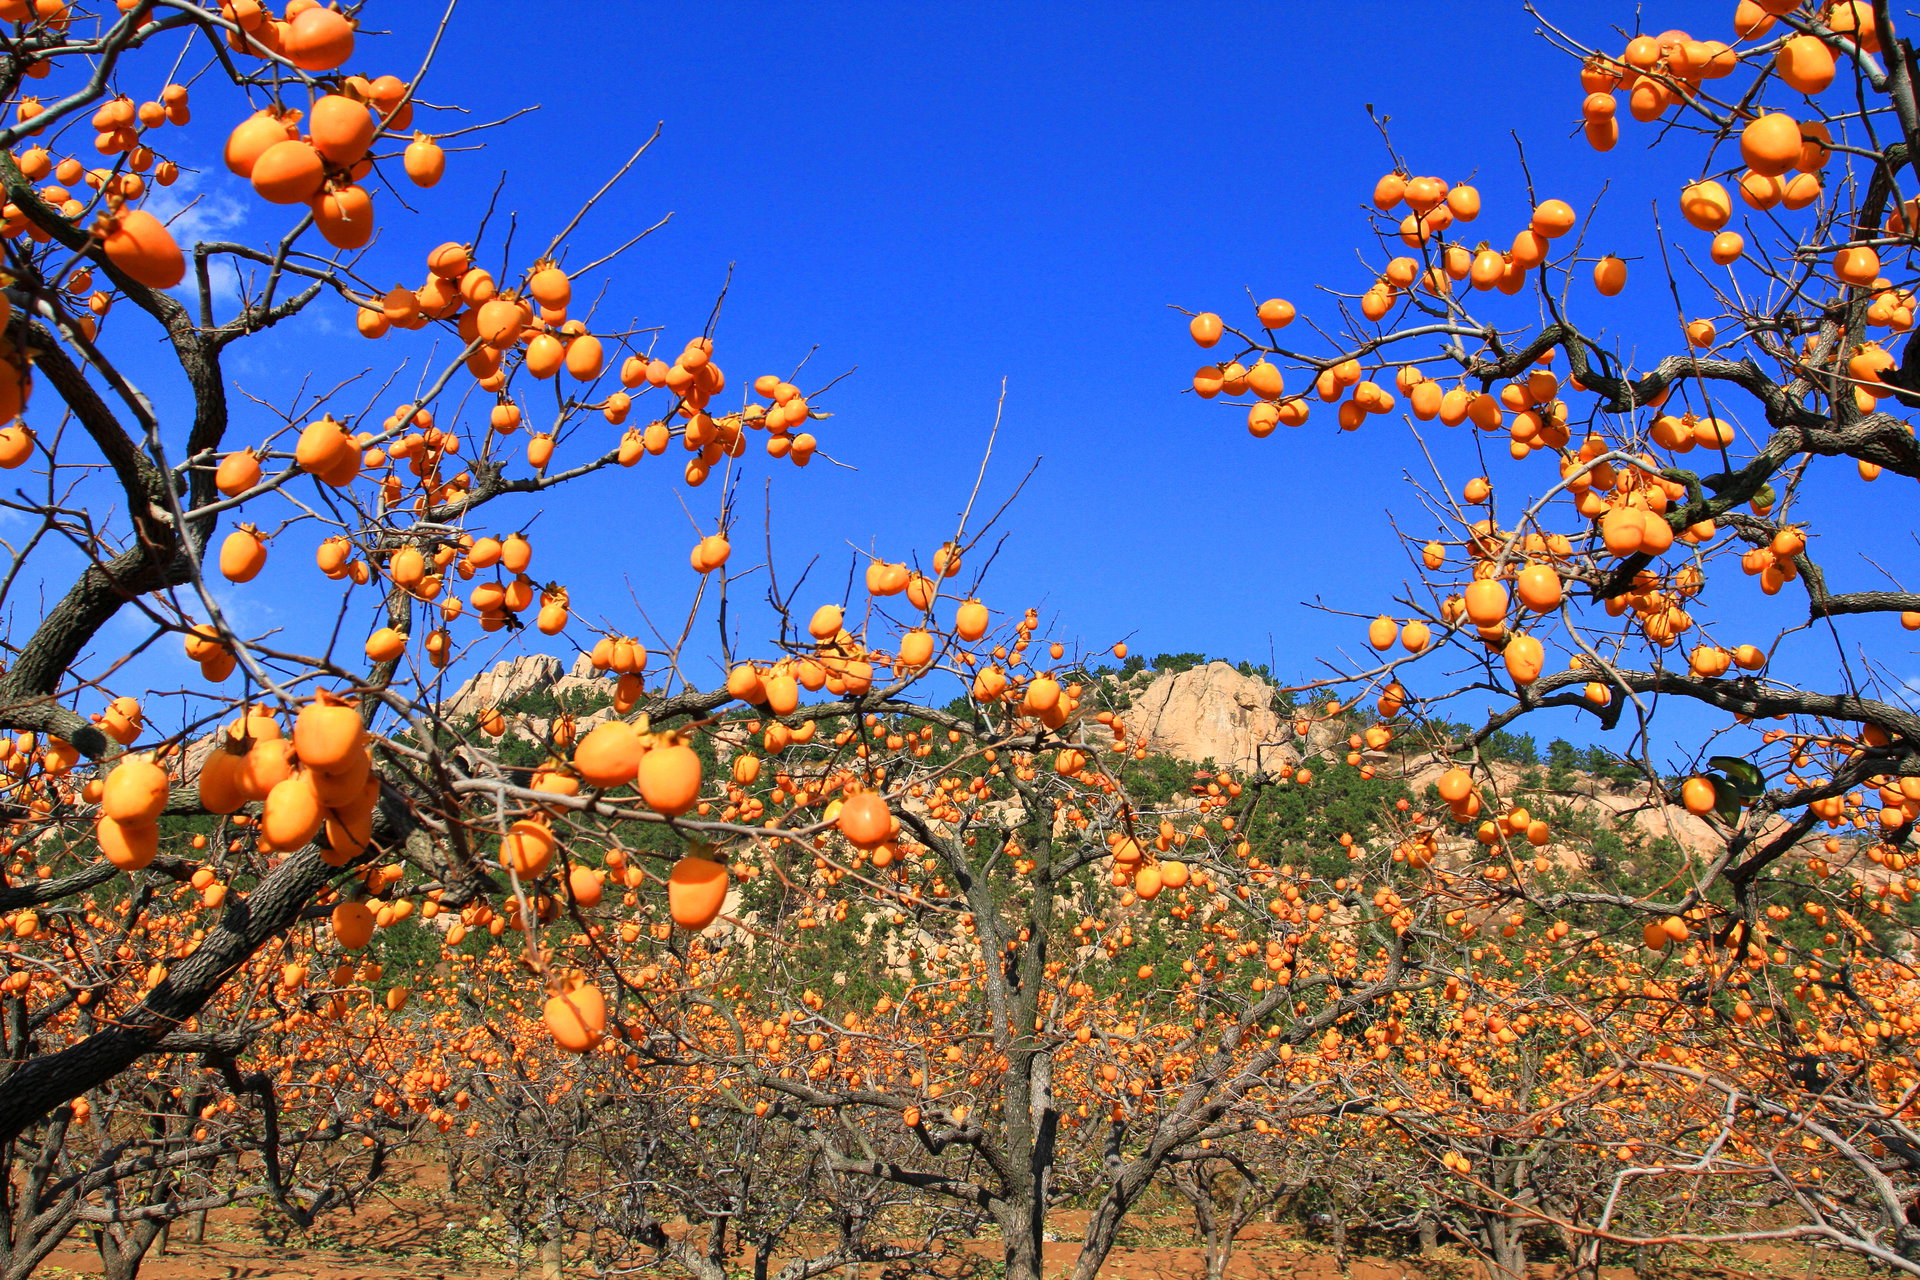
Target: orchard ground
{"points": [[418, 1231]]}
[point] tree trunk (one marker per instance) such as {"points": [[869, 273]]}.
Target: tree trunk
{"points": [[696, 1261], [1429, 1231], [1045, 1121], [122, 1252], [1020, 1211], [1023, 1244], [1507, 1258], [1103, 1228], [1215, 1235], [1583, 1256], [1337, 1230], [1216, 1230], [1219, 1255], [20, 1257], [197, 1232], [550, 1259]]}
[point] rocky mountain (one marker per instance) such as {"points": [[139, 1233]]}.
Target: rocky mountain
{"points": [[1211, 712], [516, 677]]}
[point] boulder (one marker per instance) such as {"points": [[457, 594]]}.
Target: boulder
{"points": [[1212, 713]]}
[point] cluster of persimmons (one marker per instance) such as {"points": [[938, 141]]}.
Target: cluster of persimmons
{"points": [[904, 864], [1603, 583]]}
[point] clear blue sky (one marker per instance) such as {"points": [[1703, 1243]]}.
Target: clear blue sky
{"points": [[949, 196]]}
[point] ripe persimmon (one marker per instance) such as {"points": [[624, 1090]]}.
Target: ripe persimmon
{"points": [[696, 891], [711, 553], [916, 649], [386, 645], [341, 129], [128, 846], [326, 732], [1486, 601], [344, 215], [669, 777], [1524, 657], [424, 161], [527, 848], [1805, 63], [251, 138], [1539, 588], [1699, 795], [1275, 313], [353, 925], [1771, 144], [317, 39], [865, 820], [1609, 275], [288, 172], [609, 756], [826, 621], [1706, 205], [1857, 265], [585, 886], [971, 620], [292, 813], [1552, 219], [140, 245], [576, 1017], [243, 554], [135, 791], [549, 285], [450, 261]]}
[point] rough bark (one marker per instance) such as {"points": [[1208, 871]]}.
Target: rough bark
{"points": [[123, 1248]]}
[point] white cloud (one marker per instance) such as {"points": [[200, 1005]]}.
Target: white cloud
{"points": [[245, 611], [193, 212]]}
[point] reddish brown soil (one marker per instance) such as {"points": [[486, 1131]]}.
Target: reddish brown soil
{"points": [[414, 1235]]}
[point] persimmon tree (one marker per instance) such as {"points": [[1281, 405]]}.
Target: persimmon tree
{"points": [[1026, 979], [314, 782], [295, 1090], [1228, 1189], [1669, 551], [175, 877], [593, 1171], [938, 882], [189, 1136]]}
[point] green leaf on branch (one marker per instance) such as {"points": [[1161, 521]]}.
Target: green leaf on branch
{"points": [[1742, 775]]}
